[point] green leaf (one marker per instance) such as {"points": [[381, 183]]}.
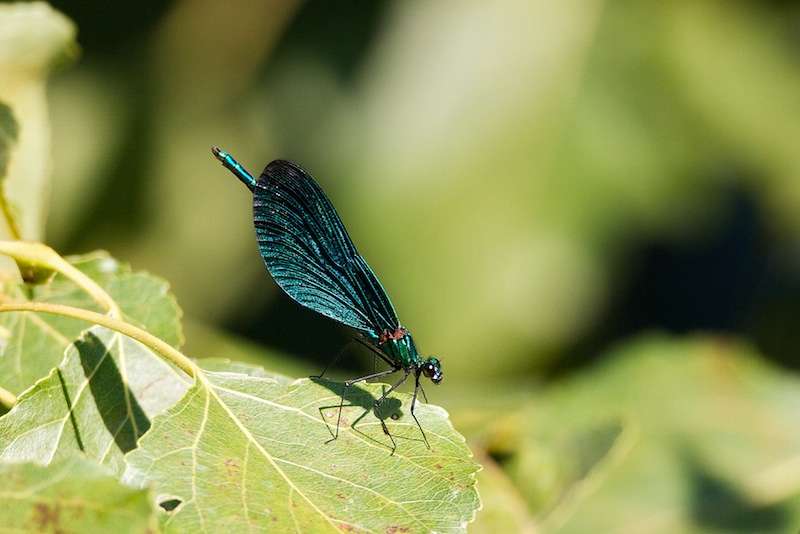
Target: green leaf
{"points": [[143, 297], [34, 344], [73, 495], [664, 435], [576, 462], [224, 365], [9, 133], [243, 453], [98, 402]]}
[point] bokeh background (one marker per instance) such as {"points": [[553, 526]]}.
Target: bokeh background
{"points": [[589, 211]]}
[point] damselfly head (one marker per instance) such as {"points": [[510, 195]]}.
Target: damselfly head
{"points": [[433, 370]]}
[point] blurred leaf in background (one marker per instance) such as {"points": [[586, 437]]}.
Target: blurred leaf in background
{"points": [[665, 435], [33, 42], [505, 169]]}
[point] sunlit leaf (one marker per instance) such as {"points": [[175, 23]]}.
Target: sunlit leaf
{"points": [[34, 343], [228, 366], [98, 402], [243, 453]]}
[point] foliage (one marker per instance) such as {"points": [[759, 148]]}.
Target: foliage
{"points": [[506, 168]]}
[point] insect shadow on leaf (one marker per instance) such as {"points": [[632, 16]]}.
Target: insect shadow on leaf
{"points": [[384, 404], [357, 396]]}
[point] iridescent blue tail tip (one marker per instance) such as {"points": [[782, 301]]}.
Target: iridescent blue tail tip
{"points": [[232, 165]]}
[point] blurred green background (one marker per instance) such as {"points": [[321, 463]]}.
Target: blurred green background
{"points": [[589, 211]]}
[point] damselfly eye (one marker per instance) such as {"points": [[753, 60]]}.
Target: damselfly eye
{"points": [[433, 371]]}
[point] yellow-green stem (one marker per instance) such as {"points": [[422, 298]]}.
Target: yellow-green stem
{"points": [[7, 399], [42, 255], [127, 329]]}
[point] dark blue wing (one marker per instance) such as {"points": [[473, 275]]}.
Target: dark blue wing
{"points": [[309, 254]]}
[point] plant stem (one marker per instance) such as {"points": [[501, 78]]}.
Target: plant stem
{"points": [[145, 338], [43, 256], [7, 399]]}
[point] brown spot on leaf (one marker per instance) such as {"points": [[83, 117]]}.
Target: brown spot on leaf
{"points": [[47, 516]]}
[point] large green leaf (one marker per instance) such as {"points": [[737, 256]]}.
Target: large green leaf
{"points": [[717, 432], [72, 495], [694, 435], [244, 453], [144, 298], [98, 402], [35, 343]]}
